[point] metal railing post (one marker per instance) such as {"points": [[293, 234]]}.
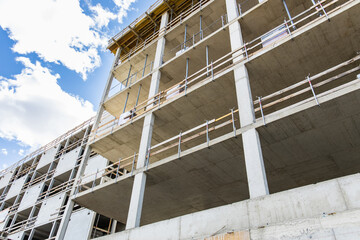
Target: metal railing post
{"points": [[148, 158], [207, 59], [233, 122], [288, 29], [312, 90], [117, 171], [94, 182], [133, 164], [246, 53], [207, 134], [261, 110], [212, 71], [179, 145]]}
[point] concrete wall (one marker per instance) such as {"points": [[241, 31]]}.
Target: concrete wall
{"points": [[327, 210], [17, 236], [30, 196], [67, 162], [94, 164], [47, 157], [16, 187], [3, 215], [2, 225], [79, 225], [49, 207], [4, 181]]}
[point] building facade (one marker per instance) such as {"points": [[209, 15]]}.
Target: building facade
{"points": [[220, 119]]}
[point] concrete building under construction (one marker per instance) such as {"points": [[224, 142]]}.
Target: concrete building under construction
{"points": [[220, 119]]}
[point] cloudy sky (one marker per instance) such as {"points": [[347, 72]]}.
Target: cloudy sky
{"points": [[53, 66]]}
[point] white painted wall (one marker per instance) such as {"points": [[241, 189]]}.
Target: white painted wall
{"points": [[79, 225]]}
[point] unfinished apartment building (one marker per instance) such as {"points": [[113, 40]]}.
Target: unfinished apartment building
{"points": [[35, 191], [220, 119]]}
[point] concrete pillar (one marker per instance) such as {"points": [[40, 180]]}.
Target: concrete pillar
{"points": [[113, 226], [251, 142], [69, 208], [137, 195]]}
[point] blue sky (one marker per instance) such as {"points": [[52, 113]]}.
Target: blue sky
{"points": [[53, 66]]}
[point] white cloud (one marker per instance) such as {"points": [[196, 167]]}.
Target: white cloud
{"points": [[58, 31], [102, 16], [4, 166], [4, 151], [35, 109], [124, 6], [21, 152]]}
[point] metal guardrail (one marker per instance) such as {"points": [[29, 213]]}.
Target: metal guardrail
{"points": [[175, 145], [154, 37], [48, 146], [256, 46]]}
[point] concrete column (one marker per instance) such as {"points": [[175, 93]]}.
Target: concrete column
{"points": [[251, 142], [137, 195], [69, 208], [113, 226]]}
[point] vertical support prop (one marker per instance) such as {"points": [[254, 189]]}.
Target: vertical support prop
{"points": [[146, 57], [185, 37], [136, 103], [289, 15], [127, 97], [127, 80], [186, 74], [322, 8], [201, 30]]}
